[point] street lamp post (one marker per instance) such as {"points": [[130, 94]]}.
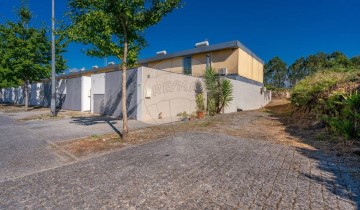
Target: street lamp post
{"points": [[53, 81]]}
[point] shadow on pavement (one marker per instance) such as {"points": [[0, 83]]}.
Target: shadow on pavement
{"points": [[88, 121], [340, 173]]}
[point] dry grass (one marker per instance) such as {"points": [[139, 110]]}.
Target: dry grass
{"points": [[61, 114], [257, 125], [19, 108], [275, 123]]}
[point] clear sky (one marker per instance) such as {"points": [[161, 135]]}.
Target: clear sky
{"points": [[285, 28]]}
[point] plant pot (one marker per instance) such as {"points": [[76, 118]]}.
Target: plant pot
{"points": [[200, 115]]}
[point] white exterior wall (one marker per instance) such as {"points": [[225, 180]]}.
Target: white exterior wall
{"points": [[247, 97], [171, 93], [85, 93], [36, 94], [97, 87], [1, 95]]}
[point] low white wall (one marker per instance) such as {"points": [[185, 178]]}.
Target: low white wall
{"points": [[85, 93], [97, 87], [247, 96], [36, 94]]}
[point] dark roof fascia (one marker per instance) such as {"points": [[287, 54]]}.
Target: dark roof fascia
{"points": [[226, 45], [91, 71]]}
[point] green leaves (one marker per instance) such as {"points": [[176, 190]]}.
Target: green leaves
{"points": [[219, 91], [275, 72], [26, 52], [107, 25], [278, 75]]}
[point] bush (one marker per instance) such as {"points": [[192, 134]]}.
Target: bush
{"points": [[200, 102], [333, 96], [219, 91]]}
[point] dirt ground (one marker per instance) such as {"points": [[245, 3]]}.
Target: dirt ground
{"points": [[19, 108], [276, 123]]}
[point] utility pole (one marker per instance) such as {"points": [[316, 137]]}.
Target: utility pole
{"points": [[53, 81]]}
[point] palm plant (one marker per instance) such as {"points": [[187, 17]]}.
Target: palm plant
{"points": [[219, 91]]}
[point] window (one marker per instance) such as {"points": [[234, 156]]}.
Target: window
{"points": [[187, 65], [208, 61]]}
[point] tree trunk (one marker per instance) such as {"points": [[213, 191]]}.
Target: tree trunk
{"points": [[124, 109], [26, 90]]}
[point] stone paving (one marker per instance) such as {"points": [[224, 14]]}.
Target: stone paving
{"points": [[24, 146], [197, 172]]}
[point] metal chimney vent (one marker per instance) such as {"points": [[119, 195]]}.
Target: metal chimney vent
{"points": [[202, 44], [161, 52]]}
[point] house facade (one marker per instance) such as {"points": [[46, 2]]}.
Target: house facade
{"points": [[230, 58], [160, 87]]}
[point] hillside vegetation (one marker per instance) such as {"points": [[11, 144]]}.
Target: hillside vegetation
{"points": [[332, 96]]}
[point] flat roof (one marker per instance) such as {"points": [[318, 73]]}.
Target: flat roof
{"points": [[221, 46]]}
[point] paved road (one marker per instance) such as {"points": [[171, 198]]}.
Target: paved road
{"points": [[204, 170], [24, 147]]}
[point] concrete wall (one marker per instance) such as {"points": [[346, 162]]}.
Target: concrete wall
{"points": [[73, 95], [97, 92], [106, 93], [165, 93], [18, 95], [248, 95], [36, 96], [85, 93]]}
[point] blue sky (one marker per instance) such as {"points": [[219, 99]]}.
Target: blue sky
{"points": [[285, 28]]}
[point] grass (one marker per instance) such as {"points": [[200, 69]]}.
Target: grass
{"points": [[326, 95], [247, 125], [10, 108]]}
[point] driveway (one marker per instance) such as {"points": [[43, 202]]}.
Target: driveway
{"points": [[24, 146], [199, 171]]}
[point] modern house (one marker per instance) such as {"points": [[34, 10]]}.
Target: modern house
{"points": [[160, 87], [230, 58]]}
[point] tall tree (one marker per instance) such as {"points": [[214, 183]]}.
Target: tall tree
{"points": [[315, 62], [338, 59], [26, 52], [355, 61], [115, 27], [276, 72], [297, 71]]}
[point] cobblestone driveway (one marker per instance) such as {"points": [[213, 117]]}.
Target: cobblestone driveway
{"points": [[24, 147], [204, 170]]}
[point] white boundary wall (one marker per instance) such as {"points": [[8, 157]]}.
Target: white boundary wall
{"points": [[97, 87], [247, 96], [85, 93], [166, 94]]}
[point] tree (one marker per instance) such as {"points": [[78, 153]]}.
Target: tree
{"points": [[26, 53], [297, 71], [355, 61], [276, 72], [338, 59], [219, 91], [315, 62], [115, 27]]}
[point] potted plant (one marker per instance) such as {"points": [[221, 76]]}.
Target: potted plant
{"points": [[200, 105]]}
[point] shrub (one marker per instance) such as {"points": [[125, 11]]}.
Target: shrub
{"points": [[219, 91], [333, 96], [200, 102]]}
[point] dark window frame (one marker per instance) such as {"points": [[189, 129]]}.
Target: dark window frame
{"points": [[187, 65]]}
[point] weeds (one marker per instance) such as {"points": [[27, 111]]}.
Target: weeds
{"points": [[333, 97]]}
